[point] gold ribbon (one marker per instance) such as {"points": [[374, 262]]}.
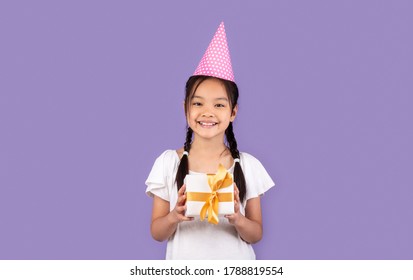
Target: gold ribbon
{"points": [[218, 181]]}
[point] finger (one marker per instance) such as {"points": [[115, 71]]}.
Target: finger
{"points": [[236, 209], [182, 190], [236, 196], [230, 218], [236, 190], [186, 219], [181, 213], [181, 199], [180, 209]]}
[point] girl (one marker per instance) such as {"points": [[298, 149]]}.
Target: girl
{"points": [[210, 107]]}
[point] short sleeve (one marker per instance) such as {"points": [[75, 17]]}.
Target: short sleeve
{"points": [[257, 178], [158, 181]]}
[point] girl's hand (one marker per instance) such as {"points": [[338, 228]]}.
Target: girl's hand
{"points": [[178, 213], [237, 216]]}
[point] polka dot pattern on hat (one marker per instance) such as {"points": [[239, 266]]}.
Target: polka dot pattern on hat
{"points": [[216, 61]]}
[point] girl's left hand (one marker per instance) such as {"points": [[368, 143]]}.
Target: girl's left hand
{"points": [[234, 218]]}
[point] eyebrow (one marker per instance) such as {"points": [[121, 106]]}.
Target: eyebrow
{"points": [[219, 98]]}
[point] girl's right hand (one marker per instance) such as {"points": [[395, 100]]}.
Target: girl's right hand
{"points": [[178, 213]]}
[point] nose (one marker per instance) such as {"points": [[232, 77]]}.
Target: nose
{"points": [[207, 115], [208, 111]]}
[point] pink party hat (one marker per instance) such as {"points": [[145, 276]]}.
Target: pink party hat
{"points": [[216, 61]]}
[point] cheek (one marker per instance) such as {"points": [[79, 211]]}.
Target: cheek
{"points": [[192, 113], [190, 117]]}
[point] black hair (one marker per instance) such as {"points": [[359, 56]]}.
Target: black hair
{"points": [[232, 91]]}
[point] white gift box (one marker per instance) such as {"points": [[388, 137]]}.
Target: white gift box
{"points": [[199, 183]]}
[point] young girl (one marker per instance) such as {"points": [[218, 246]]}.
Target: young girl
{"points": [[210, 107]]}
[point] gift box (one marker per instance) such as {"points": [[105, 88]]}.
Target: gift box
{"points": [[209, 195]]}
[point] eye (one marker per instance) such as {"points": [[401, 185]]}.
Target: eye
{"points": [[197, 104], [220, 105]]}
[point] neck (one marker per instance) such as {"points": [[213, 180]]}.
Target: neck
{"points": [[208, 146]]}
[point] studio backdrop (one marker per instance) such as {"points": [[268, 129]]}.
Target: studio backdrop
{"points": [[91, 93]]}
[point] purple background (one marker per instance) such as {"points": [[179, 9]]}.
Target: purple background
{"points": [[91, 93]]}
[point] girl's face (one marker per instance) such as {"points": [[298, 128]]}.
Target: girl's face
{"points": [[209, 111]]}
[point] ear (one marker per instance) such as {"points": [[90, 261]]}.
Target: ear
{"points": [[234, 113]]}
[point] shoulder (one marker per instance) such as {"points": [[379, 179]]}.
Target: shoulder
{"points": [[164, 166], [168, 156], [166, 160], [257, 178], [248, 159], [179, 152], [250, 165], [160, 181]]}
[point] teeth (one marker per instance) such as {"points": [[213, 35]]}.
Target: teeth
{"points": [[207, 124]]}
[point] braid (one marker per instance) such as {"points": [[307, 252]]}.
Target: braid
{"points": [[187, 145], [183, 168], [238, 174], [232, 142]]}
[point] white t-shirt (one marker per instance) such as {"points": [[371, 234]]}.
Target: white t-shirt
{"points": [[197, 239]]}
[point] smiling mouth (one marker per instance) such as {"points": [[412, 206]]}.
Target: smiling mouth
{"points": [[207, 124]]}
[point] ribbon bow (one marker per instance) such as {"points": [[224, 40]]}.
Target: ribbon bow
{"points": [[218, 181]]}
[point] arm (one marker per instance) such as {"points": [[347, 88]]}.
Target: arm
{"points": [[249, 227], [165, 222]]}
